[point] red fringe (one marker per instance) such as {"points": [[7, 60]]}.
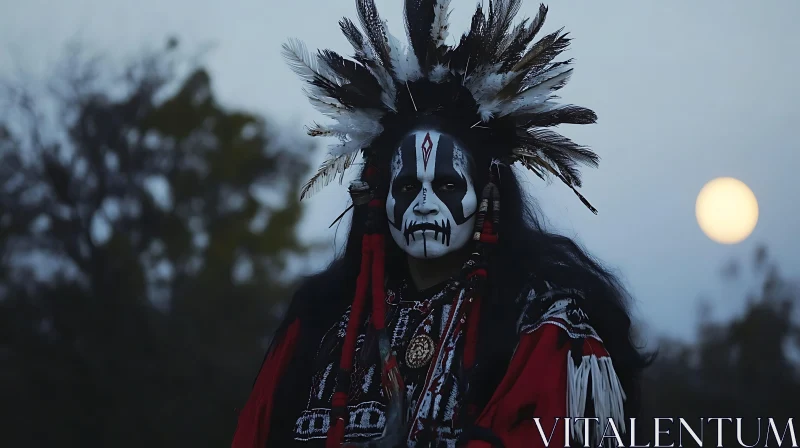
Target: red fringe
{"points": [[362, 283], [471, 342], [335, 434], [378, 292]]}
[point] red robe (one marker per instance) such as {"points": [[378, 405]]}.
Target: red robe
{"points": [[542, 381]]}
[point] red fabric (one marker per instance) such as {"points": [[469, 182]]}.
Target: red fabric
{"points": [[536, 379], [473, 323], [252, 429], [362, 284], [335, 434], [378, 292]]}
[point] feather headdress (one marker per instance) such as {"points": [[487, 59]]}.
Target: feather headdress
{"points": [[496, 83]]}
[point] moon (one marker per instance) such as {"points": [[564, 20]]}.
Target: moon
{"points": [[727, 210]]}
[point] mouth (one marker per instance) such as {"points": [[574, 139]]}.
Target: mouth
{"points": [[441, 230]]}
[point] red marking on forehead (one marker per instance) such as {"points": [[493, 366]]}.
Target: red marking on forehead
{"points": [[427, 147]]}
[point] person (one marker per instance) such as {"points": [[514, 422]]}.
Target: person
{"points": [[452, 318]]}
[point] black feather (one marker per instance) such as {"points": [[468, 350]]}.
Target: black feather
{"points": [[374, 29], [419, 22], [560, 150], [522, 37], [353, 35], [537, 23], [501, 15], [463, 58], [535, 62], [354, 78], [563, 115], [543, 51], [537, 167]]}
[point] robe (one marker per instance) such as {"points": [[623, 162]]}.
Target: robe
{"points": [[559, 373]]}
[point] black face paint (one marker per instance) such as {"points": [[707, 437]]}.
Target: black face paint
{"points": [[450, 185], [406, 177], [447, 176], [431, 203]]}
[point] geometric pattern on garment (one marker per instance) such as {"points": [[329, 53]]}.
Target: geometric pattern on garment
{"points": [[367, 404]]}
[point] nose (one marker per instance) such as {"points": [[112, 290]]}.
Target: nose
{"points": [[426, 208]]}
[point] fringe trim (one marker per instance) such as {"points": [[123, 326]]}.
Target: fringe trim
{"points": [[607, 394]]}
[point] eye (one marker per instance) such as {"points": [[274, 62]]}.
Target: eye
{"points": [[448, 187], [407, 188]]}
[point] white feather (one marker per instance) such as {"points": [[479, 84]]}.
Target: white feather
{"points": [[441, 17], [299, 59], [484, 86], [355, 130], [357, 121], [535, 96], [438, 73], [405, 63], [327, 106], [354, 144]]}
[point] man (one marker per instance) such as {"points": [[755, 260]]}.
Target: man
{"points": [[452, 319]]}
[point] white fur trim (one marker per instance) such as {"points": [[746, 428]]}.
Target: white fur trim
{"points": [[607, 394]]}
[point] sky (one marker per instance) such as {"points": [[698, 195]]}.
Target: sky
{"points": [[685, 91]]}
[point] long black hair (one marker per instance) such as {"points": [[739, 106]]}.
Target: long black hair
{"points": [[524, 249]]}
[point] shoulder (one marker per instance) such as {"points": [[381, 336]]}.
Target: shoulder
{"points": [[553, 315], [544, 303]]}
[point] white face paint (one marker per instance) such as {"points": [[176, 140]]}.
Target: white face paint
{"points": [[432, 202]]}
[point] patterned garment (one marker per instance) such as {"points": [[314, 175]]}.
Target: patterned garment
{"points": [[433, 413], [413, 316]]}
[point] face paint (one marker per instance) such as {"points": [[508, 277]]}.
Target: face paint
{"points": [[432, 202]]}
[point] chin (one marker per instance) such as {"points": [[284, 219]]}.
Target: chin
{"points": [[434, 250]]}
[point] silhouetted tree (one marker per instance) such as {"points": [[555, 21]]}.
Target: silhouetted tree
{"points": [[740, 368], [142, 243]]}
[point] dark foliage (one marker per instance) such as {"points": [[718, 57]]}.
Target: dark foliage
{"points": [[742, 368], [139, 274]]}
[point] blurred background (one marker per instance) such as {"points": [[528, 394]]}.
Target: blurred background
{"points": [[151, 234]]}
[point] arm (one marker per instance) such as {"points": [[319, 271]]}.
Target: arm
{"points": [[545, 382]]}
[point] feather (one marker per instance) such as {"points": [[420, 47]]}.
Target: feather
{"points": [[441, 23], [535, 63], [405, 63], [562, 151], [568, 114], [529, 99], [350, 72], [419, 17], [438, 73], [325, 174], [543, 51], [537, 23], [367, 57], [533, 163], [299, 60], [469, 47], [375, 30], [324, 81], [501, 14]]}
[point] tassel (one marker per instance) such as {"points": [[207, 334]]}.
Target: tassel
{"points": [[607, 394], [335, 435], [339, 415], [471, 343], [378, 276]]}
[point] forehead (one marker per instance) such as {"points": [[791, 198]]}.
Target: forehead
{"points": [[426, 152]]}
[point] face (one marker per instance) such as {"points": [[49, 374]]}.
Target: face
{"points": [[432, 202]]}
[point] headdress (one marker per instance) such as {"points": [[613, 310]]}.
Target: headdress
{"points": [[493, 82], [493, 86]]}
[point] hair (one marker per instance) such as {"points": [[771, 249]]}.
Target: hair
{"points": [[524, 248]]}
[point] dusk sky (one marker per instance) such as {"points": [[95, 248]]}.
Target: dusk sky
{"points": [[686, 91]]}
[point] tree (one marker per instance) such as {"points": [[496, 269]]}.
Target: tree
{"points": [[142, 243], [741, 368]]}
